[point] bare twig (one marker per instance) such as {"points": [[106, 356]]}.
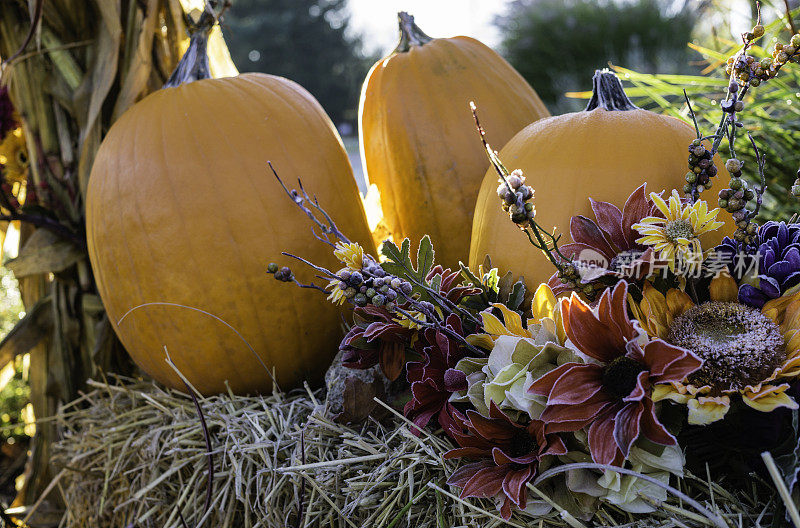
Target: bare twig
{"points": [[761, 167], [311, 264], [302, 198], [435, 324], [691, 113], [789, 16]]}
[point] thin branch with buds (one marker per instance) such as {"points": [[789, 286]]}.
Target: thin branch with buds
{"points": [[550, 246], [435, 324]]}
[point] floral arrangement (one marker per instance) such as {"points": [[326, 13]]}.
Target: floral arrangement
{"points": [[594, 386]]}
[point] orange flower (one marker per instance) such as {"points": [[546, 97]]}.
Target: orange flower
{"points": [[613, 396]]}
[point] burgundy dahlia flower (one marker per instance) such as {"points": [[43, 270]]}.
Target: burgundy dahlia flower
{"points": [[611, 397], [434, 378], [607, 245], [507, 454], [376, 338]]}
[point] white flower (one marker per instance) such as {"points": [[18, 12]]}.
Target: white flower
{"points": [[506, 375]]}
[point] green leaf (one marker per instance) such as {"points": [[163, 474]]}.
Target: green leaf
{"points": [[469, 276], [492, 280], [504, 286], [425, 256], [399, 264], [405, 251], [436, 282], [390, 250]]}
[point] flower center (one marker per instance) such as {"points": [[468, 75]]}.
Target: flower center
{"points": [[739, 345], [679, 229], [522, 444], [619, 376]]}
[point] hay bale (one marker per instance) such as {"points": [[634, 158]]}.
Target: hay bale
{"points": [[134, 454]]}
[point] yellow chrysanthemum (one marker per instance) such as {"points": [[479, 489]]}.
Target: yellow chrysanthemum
{"points": [[746, 352], [350, 254], [546, 318], [676, 235], [337, 295], [14, 156]]}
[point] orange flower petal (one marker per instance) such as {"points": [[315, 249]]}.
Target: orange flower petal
{"points": [[678, 303], [513, 322], [723, 288]]}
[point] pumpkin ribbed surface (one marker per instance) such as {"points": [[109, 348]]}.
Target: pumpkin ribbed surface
{"points": [[183, 209], [419, 143], [602, 154]]}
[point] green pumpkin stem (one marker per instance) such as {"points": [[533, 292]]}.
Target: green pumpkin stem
{"points": [[410, 33], [193, 66], [608, 94]]}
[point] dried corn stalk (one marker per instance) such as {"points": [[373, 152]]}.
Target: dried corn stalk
{"points": [[85, 63]]}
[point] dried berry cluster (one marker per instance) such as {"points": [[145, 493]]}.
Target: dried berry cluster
{"points": [[569, 275], [746, 69], [735, 200], [701, 168], [517, 198], [372, 286]]}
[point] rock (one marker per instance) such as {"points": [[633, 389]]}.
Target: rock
{"points": [[351, 392]]}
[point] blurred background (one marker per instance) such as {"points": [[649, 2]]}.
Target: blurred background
{"points": [[329, 45]]}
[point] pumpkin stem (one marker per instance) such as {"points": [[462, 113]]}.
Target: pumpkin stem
{"points": [[410, 33], [193, 66], [608, 94]]}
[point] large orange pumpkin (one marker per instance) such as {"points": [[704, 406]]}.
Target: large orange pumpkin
{"points": [[604, 152], [418, 141], [183, 210]]}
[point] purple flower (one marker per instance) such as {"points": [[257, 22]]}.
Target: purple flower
{"points": [[777, 249]]}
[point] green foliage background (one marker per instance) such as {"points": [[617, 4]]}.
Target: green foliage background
{"points": [[15, 394], [557, 44]]}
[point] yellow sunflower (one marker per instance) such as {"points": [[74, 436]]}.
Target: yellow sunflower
{"points": [[746, 351], [545, 321], [350, 254], [676, 235]]}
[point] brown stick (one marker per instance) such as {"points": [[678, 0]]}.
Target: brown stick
{"points": [[789, 16]]}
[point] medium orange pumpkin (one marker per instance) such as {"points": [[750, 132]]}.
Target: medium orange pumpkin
{"points": [[418, 141], [182, 209], [604, 152]]}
